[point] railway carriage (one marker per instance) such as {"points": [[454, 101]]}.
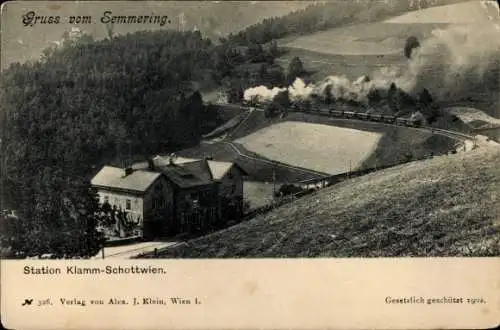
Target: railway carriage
{"points": [[349, 114], [336, 113], [363, 115]]}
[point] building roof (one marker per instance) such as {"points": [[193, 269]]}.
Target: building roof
{"points": [[183, 172], [114, 178], [184, 178], [217, 168], [199, 168], [161, 161]]}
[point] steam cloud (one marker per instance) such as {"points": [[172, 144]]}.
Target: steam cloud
{"points": [[455, 63], [452, 64]]}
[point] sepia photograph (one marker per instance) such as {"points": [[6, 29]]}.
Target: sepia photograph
{"points": [[249, 129]]}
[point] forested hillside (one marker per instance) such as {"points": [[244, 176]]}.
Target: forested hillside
{"points": [[88, 102], [329, 14]]}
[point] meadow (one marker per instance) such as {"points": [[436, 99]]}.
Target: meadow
{"points": [[443, 206], [322, 148], [379, 38], [335, 146]]}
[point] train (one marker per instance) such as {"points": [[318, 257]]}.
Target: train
{"points": [[389, 119], [336, 113]]}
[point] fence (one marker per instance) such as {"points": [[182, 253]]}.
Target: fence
{"points": [[313, 185], [276, 203], [336, 178]]}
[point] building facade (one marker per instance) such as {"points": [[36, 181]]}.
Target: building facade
{"points": [[166, 196], [134, 199]]}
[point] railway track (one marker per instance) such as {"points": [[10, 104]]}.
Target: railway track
{"points": [[396, 121], [349, 116], [451, 134], [270, 162]]}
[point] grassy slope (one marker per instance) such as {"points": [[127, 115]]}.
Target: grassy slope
{"points": [[321, 65], [457, 13], [388, 36], [371, 38], [445, 206]]}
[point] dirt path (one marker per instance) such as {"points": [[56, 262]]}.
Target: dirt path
{"points": [[132, 250]]}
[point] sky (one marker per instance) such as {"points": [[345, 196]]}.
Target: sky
{"points": [[20, 43]]}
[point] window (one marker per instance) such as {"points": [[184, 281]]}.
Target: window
{"points": [[127, 204], [159, 186], [158, 203], [211, 212]]}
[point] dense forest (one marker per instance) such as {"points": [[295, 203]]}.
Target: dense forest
{"points": [[88, 102], [327, 15]]}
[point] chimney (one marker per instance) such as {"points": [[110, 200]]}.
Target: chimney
{"points": [[128, 171], [171, 158], [207, 167], [151, 164]]}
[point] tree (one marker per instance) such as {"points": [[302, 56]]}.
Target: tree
{"points": [[58, 216], [411, 43], [427, 106], [273, 48], [328, 96], [282, 102], [425, 98], [270, 110], [109, 30], [295, 69], [393, 98], [235, 93], [71, 113], [255, 53], [288, 189]]}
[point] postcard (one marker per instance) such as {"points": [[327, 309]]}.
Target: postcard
{"points": [[250, 164]]}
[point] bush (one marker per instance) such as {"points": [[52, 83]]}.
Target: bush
{"points": [[411, 43], [288, 189]]}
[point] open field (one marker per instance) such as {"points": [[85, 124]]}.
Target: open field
{"points": [[321, 65], [459, 13], [364, 39], [318, 147], [334, 145], [445, 206], [476, 118], [389, 36], [258, 193]]}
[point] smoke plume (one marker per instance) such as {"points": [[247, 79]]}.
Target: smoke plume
{"points": [[261, 93], [454, 63]]}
